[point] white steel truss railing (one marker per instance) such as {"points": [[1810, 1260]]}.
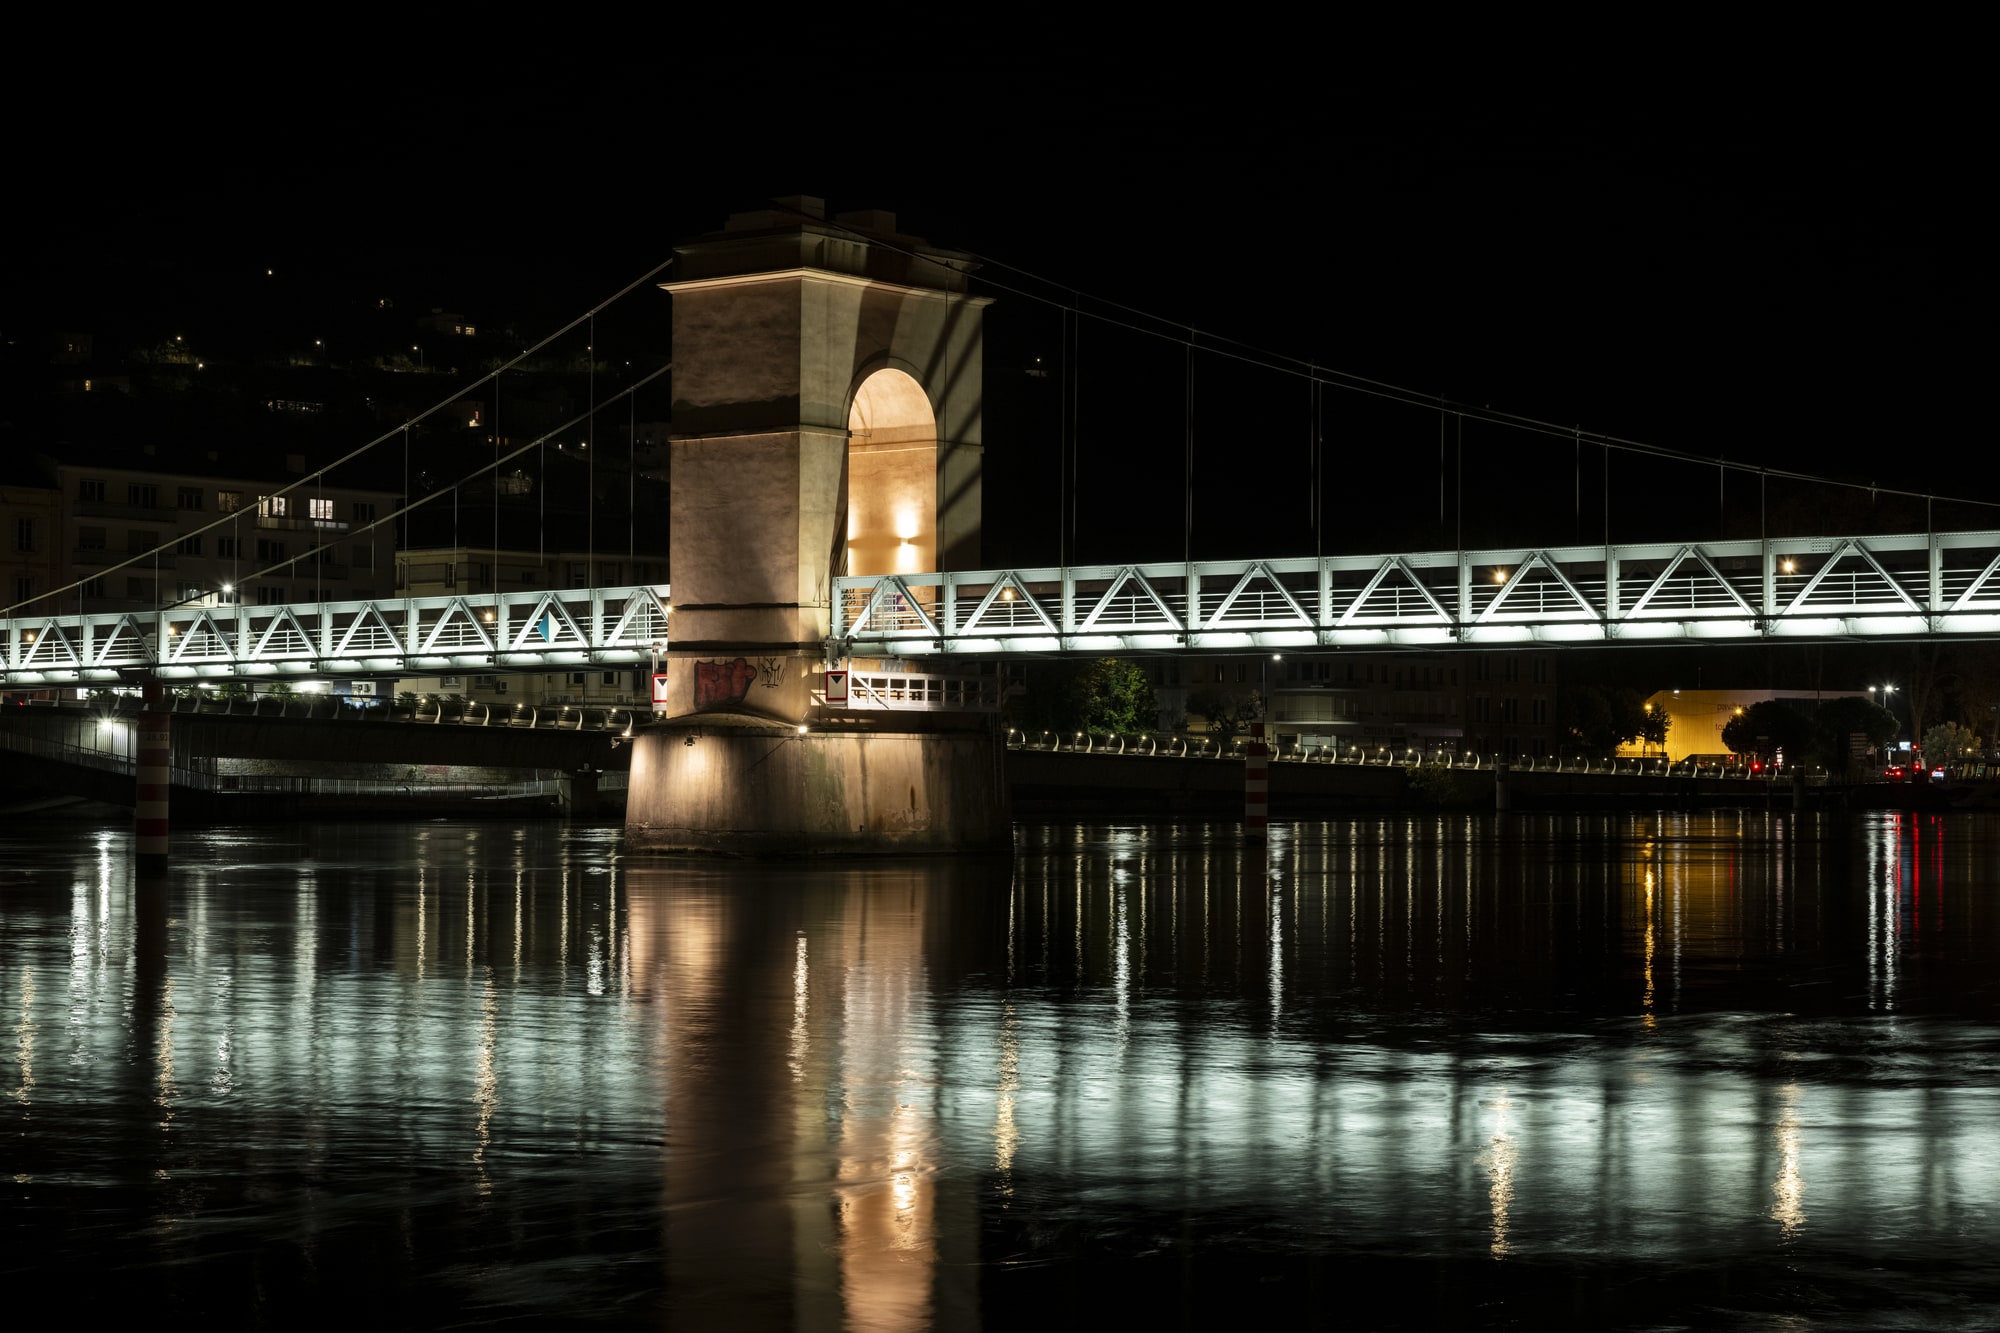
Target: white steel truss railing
{"points": [[412, 635], [1811, 588], [903, 692]]}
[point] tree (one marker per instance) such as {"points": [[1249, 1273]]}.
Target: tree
{"points": [[1770, 726], [1601, 718], [1839, 721], [1656, 726], [1948, 742], [1107, 695], [1226, 710], [1117, 697]]}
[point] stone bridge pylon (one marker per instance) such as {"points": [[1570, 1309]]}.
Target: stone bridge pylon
{"points": [[827, 412], [826, 421]]}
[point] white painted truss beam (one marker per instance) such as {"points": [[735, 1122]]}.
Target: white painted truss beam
{"points": [[1900, 585], [522, 631]]}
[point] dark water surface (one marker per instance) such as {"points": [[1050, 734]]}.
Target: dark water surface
{"points": [[1710, 1070]]}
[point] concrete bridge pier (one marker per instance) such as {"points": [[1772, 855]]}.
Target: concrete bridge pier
{"points": [[739, 784]]}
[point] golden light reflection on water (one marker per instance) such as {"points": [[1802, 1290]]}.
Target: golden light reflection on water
{"points": [[1121, 965], [1499, 1161], [1277, 944], [1647, 1016], [1007, 1134], [486, 1081], [1788, 1190], [24, 1041], [801, 1011], [164, 1055], [520, 877], [886, 1192], [422, 921], [833, 1080]]}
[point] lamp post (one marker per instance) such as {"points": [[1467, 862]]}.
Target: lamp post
{"points": [[1879, 695]]}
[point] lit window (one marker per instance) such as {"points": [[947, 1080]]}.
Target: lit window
{"points": [[273, 506], [322, 509]]}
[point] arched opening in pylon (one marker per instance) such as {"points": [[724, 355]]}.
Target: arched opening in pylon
{"points": [[891, 477]]}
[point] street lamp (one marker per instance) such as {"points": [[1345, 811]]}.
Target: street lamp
{"points": [[1879, 696]]}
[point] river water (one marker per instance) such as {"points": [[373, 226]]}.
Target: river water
{"points": [[1702, 1070]]}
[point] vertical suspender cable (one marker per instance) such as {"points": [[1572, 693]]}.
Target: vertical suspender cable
{"points": [[1187, 497], [1440, 464], [494, 554], [402, 531], [1063, 447], [403, 525], [590, 466], [1578, 436], [1075, 422], [631, 488], [1318, 472]]}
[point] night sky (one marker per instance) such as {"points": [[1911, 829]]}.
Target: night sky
{"points": [[1730, 262]]}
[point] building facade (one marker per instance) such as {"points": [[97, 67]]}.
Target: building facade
{"points": [[469, 571], [30, 545], [140, 539], [1500, 704]]}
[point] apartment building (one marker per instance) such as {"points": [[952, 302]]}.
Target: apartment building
{"points": [[133, 538]]}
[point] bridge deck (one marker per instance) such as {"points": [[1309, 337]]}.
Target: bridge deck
{"points": [[1911, 585], [540, 630], [1814, 588]]}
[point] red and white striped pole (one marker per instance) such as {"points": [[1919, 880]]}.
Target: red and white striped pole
{"points": [[1256, 784], [149, 810]]}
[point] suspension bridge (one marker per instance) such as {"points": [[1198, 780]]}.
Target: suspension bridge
{"points": [[826, 460]]}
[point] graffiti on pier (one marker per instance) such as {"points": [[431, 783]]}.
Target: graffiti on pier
{"points": [[722, 682]]}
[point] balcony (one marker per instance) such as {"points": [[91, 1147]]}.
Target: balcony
{"points": [[272, 523]]}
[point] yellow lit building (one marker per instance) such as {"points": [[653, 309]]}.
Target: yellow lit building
{"points": [[1698, 716]]}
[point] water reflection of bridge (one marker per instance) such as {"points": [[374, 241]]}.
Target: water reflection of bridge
{"points": [[894, 1094]]}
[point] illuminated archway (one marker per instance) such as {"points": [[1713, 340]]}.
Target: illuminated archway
{"points": [[891, 476]]}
